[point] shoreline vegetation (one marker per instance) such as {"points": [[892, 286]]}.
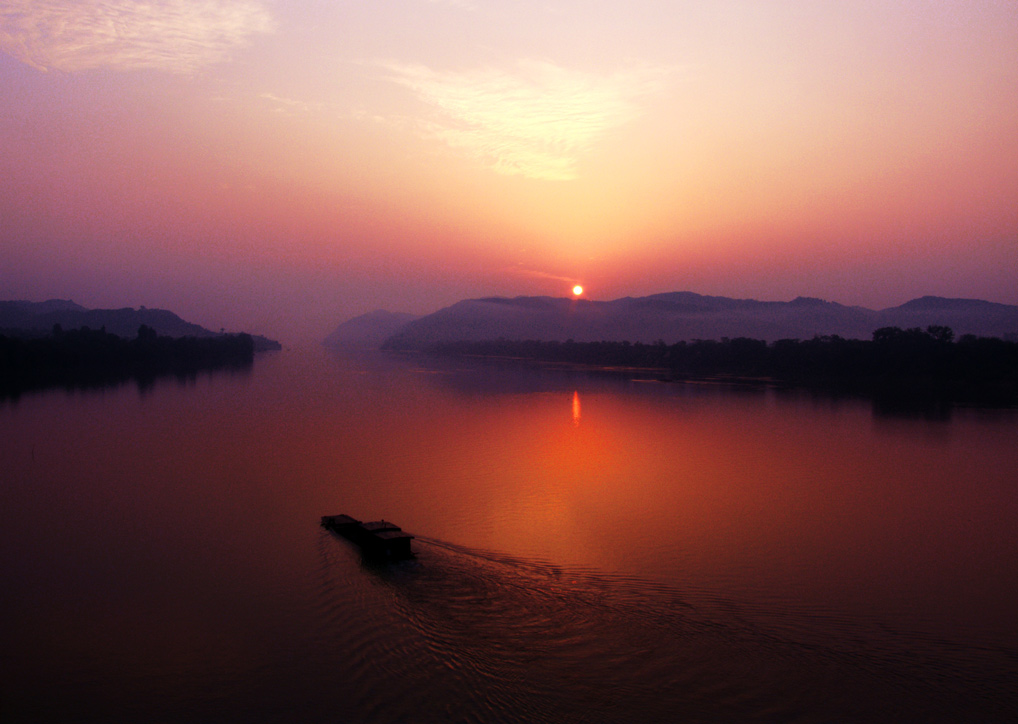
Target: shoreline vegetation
{"points": [[85, 358], [910, 366]]}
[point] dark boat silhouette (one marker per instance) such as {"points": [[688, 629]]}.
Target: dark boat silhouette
{"points": [[377, 539]]}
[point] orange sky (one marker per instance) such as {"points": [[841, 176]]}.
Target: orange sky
{"points": [[280, 167]]}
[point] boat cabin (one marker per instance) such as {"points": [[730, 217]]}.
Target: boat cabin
{"points": [[378, 538]]}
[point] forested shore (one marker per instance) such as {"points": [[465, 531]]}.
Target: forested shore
{"points": [[84, 358], [907, 363]]}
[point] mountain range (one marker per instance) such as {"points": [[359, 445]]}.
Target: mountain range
{"points": [[671, 317], [23, 318], [368, 331]]}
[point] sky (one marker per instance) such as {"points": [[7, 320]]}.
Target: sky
{"points": [[279, 167]]}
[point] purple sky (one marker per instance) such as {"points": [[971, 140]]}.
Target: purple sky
{"points": [[280, 167]]}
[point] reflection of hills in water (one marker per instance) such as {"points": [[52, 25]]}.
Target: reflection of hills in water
{"points": [[494, 376], [507, 376], [485, 637], [145, 381], [100, 372]]}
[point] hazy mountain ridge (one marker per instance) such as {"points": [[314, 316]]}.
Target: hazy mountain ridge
{"points": [[40, 317], [677, 316], [964, 316], [368, 331]]}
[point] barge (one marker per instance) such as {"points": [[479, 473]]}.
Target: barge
{"points": [[379, 538]]}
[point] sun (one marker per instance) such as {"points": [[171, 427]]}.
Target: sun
{"points": [[577, 290]]}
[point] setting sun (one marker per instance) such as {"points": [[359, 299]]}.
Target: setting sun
{"points": [[577, 290]]}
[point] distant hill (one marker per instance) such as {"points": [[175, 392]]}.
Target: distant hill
{"points": [[964, 316], [368, 331], [679, 316], [37, 318]]}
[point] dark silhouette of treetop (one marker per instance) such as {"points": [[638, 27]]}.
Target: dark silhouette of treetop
{"points": [[920, 363], [88, 358]]}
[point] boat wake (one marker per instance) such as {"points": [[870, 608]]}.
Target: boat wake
{"points": [[503, 639]]}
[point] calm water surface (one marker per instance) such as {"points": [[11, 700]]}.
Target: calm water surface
{"points": [[590, 548]]}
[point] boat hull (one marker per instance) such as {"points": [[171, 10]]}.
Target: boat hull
{"points": [[377, 539]]}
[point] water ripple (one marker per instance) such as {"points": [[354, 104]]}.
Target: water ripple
{"points": [[494, 638]]}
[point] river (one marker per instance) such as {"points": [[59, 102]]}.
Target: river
{"points": [[589, 547]]}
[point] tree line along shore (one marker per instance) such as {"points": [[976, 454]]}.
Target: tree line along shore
{"points": [[918, 363], [84, 357]]}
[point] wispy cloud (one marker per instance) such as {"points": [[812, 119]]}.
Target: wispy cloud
{"points": [[289, 106], [536, 274], [178, 36], [462, 4], [535, 119]]}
